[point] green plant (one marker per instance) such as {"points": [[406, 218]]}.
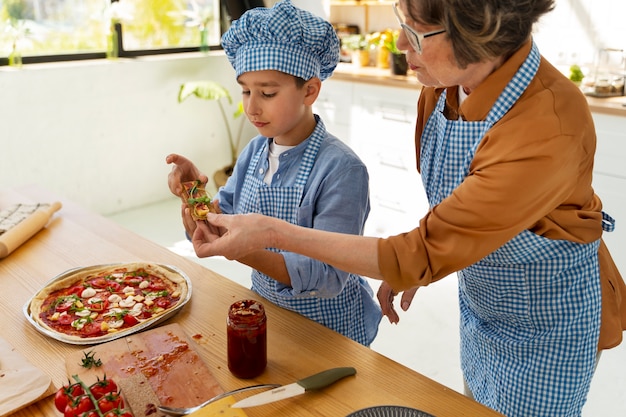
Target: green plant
{"points": [[391, 41], [355, 43], [210, 90], [576, 74]]}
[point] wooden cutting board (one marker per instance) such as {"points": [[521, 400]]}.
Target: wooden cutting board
{"points": [[21, 383], [158, 366]]}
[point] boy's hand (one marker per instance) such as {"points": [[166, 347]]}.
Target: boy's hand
{"points": [[183, 170]]}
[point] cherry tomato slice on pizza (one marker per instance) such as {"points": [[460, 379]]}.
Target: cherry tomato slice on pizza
{"points": [[98, 305], [130, 320]]}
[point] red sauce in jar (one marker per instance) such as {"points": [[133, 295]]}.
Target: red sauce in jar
{"points": [[246, 339]]}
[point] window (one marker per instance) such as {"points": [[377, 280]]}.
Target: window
{"points": [[57, 30]]}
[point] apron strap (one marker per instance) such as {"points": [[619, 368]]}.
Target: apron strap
{"points": [[516, 87], [608, 223]]}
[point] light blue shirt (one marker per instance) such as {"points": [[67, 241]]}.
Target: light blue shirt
{"points": [[335, 198]]}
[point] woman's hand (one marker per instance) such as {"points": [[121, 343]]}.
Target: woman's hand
{"points": [[183, 170], [386, 296], [232, 236], [190, 224]]}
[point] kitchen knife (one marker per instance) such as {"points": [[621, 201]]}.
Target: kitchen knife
{"points": [[313, 382]]}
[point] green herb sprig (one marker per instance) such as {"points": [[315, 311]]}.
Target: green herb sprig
{"points": [[90, 360]]}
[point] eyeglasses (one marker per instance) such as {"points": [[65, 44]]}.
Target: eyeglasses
{"points": [[415, 38]]}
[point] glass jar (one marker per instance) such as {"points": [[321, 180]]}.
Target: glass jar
{"points": [[246, 339]]}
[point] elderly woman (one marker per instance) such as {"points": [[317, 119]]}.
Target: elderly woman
{"points": [[505, 146]]}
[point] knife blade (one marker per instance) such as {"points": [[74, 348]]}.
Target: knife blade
{"points": [[313, 382]]}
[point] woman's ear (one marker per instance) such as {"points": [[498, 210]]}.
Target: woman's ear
{"points": [[312, 90]]}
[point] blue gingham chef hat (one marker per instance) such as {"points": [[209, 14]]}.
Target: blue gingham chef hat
{"points": [[283, 38]]}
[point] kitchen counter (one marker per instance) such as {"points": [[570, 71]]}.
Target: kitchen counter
{"points": [[297, 347], [378, 76]]}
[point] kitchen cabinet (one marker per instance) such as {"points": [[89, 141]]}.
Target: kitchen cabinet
{"points": [[334, 106], [379, 123], [609, 180], [382, 134]]}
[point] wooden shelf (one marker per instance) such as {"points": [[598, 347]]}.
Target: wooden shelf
{"points": [[359, 12]]}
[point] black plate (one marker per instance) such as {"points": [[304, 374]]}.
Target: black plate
{"points": [[389, 411]]}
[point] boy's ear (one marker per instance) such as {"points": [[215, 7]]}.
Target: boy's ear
{"points": [[312, 90]]}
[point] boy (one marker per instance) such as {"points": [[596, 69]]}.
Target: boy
{"points": [[294, 170]]}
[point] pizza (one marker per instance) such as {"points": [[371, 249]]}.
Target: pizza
{"points": [[197, 199], [98, 303]]}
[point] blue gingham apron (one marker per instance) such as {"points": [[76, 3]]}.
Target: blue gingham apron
{"points": [[530, 311], [343, 313]]}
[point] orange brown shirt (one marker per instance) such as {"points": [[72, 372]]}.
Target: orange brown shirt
{"points": [[532, 170]]}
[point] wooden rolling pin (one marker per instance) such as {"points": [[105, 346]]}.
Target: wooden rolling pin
{"points": [[25, 229]]}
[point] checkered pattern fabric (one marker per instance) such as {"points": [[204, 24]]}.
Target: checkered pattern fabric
{"points": [[283, 38], [344, 313], [530, 311]]}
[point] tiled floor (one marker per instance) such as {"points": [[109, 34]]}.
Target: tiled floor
{"points": [[426, 338]]}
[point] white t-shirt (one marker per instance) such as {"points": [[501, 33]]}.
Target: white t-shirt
{"points": [[274, 154]]}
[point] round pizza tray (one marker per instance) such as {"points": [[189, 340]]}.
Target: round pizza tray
{"points": [[389, 411], [107, 338]]}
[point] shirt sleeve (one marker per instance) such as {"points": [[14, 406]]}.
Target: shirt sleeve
{"points": [[338, 201], [524, 175]]}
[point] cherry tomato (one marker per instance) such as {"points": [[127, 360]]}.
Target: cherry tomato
{"points": [[103, 387], [98, 306], [78, 406], [118, 413], [65, 394], [92, 413], [110, 401], [130, 320]]}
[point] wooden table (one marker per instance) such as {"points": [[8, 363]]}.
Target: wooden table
{"points": [[297, 347]]}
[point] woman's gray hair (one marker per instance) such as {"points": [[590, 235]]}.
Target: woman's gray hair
{"points": [[481, 29]]}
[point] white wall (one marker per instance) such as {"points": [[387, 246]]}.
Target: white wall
{"points": [[574, 31], [98, 132]]}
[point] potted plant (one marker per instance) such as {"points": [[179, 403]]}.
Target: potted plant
{"points": [[576, 75], [210, 90], [358, 47], [397, 58], [379, 42]]}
